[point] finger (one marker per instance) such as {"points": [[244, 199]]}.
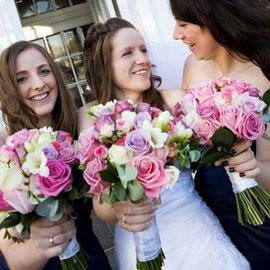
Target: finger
{"points": [[244, 157], [240, 147], [252, 173], [135, 227]]}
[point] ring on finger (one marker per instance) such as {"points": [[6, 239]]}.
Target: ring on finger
{"points": [[123, 218], [51, 240]]}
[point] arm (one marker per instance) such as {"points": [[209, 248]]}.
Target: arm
{"points": [[34, 252]]}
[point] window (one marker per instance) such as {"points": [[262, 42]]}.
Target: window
{"points": [[66, 49], [28, 8]]}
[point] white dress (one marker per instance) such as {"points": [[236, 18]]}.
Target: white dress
{"points": [[191, 235]]}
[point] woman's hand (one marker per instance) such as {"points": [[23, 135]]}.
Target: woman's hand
{"points": [[242, 160], [135, 217], [52, 238]]}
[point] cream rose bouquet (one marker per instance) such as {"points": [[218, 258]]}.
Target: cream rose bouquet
{"points": [[220, 113], [36, 181], [125, 150]]}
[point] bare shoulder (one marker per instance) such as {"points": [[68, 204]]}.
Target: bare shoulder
{"points": [[83, 120], [171, 96], [195, 71]]}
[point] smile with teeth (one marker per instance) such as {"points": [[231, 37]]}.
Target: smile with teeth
{"points": [[40, 97], [141, 71]]}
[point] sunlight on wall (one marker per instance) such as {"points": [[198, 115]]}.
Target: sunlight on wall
{"points": [[37, 31]]}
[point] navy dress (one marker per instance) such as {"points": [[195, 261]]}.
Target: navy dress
{"points": [[253, 242], [97, 259]]}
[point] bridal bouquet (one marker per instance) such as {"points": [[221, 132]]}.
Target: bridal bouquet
{"points": [[124, 150], [220, 113], [36, 181]]}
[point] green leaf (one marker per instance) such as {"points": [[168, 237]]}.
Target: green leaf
{"points": [[51, 209], [194, 155], [109, 174], [266, 99], [135, 189], [212, 156], [108, 198], [12, 220], [126, 173], [223, 137], [26, 221], [119, 191], [266, 118]]}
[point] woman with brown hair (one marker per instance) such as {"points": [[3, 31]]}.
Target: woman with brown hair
{"points": [[118, 67], [33, 95]]}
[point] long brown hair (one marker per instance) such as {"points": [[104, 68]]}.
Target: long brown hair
{"points": [[97, 63], [17, 115]]}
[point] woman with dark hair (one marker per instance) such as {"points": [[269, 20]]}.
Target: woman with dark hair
{"points": [[33, 95], [118, 67], [230, 38]]}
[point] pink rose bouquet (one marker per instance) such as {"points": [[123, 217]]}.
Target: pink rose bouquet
{"points": [[220, 113], [124, 151], [36, 181]]}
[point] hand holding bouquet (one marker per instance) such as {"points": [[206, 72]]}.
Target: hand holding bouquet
{"points": [[125, 150], [36, 181], [220, 113]]}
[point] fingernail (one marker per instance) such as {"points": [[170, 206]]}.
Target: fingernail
{"points": [[242, 174], [225, 163], [232, 152], [231, 169]]}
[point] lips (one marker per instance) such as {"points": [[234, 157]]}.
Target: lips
{"points": [[141, 72], [40, 97]]}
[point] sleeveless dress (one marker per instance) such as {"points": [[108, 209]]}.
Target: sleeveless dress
{"points": [[97, 259], [253, 242], [191, 236]]}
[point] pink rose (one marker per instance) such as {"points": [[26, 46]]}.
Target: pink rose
{"points": [[17, 141], [67, 152], [123, 105], [203, 91], [101, 151], [252, 127], [187, 104], [87, 144], [59, 179], [63, 136], [19, 200], [7, 154], [151, 174], [92, 177], [231, 117], [204, 130], [4, 206], [208, 109], [143, 107]]}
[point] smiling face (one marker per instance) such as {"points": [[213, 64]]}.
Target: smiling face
{"points": [[199, 40], [36, 83], [130, 64]]}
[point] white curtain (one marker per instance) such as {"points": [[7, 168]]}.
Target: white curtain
{"points": [[10, 25]]}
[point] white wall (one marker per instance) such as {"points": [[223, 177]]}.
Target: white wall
{"points": [[155, 21]]}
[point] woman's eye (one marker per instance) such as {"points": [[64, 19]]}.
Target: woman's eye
{"points": [[144, 50], [21, 80], [127, 53], [45, 72]]}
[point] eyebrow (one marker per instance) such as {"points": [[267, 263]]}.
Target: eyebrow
{"points": [[39, 67]]}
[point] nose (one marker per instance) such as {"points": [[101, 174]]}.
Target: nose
{"points": [[37, 83], [178, 32], [142, 58]]}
